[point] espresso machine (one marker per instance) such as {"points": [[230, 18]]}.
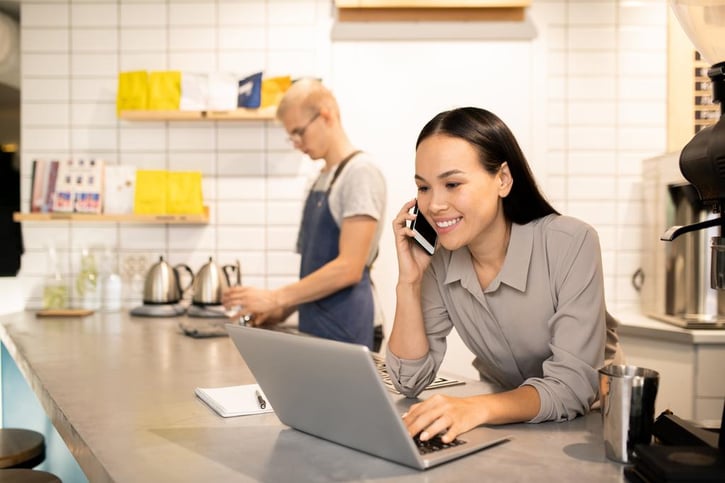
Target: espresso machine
{"points": [[681, 282], [693, 302], [687, 452], [702, 160]]}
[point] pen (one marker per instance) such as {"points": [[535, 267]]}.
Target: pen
{"points": [[260, 399]]}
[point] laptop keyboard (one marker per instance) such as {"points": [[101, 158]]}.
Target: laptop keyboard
{"points": [[435, 444], [438, 382]]}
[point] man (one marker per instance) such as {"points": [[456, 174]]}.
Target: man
{"points": [[340, 229]]}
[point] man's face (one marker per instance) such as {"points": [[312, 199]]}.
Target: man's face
{"points": [[305, 131]]}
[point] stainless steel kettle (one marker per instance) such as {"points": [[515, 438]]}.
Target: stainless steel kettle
{"points": [[162, 285], [210, 282]]}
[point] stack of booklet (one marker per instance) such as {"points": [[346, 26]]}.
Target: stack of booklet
{"points": [[72, 185], [235, 400]]}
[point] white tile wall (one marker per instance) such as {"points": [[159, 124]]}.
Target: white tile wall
{"points": [[45, 114], [45, 40], [244, 188], [193, 238], [97, 90], [232, 12], [46, 90], [142, 39], [93, 14], [92, 114], [192, 13], [44, 64], [94, 40], [235, 238], [143, 14], [45, 14], [586, 99]]}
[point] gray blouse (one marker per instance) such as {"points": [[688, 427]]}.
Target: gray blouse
{"points": [[541, 322]]}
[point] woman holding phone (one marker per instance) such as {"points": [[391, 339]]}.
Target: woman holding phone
{"points": [[521, 284]]}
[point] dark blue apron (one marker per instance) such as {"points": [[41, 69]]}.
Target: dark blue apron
{"points": [[346, 315]]}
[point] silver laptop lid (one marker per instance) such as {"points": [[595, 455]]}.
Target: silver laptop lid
{"points": [[326, 388], [333, 390]]}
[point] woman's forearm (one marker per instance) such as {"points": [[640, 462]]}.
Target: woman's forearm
{"points": [[408, 338], [515, 406]]}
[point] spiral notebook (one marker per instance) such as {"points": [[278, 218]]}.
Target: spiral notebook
{"points": [[231, 401]]}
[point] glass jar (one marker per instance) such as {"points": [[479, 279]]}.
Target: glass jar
{"points": [[55, 287], [88, 288]]}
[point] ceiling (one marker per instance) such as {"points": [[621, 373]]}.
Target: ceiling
{"points": [[9, 97]]}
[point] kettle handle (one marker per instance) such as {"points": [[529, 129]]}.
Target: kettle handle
{"points": [[233, 269], [178, 279]]}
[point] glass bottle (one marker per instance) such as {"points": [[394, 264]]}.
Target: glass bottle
{"points": [[55, 287], [133, 272], [110, 283], [88, 287]]}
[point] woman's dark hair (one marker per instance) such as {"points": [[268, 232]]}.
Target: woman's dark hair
{"points": [[495, 144]]}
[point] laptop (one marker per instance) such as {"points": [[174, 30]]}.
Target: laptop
{"points": [[333, 390]]}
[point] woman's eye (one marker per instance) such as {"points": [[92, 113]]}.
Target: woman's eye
{"points": [[452, 184], [422, 189]]}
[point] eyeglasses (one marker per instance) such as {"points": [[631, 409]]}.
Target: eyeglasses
{"points": [[297, 134]]}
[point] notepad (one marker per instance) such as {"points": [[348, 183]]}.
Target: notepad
{"points": [[231, 401]]}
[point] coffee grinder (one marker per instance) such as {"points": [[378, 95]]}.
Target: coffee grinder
{"points": [[686, 451]]}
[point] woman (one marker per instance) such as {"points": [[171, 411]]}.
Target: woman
{"points": [[521, 284]]}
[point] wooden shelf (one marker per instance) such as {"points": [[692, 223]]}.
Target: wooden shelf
{"points": [[266, 114], [430, 10], [707, 107], [201, 219]]}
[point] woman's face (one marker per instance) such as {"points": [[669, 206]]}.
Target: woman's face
{"points": [[457, 196]]}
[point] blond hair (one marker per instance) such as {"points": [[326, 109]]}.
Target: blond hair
{"points": [[309, 95]]}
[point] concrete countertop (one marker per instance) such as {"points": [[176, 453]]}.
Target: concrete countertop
{"points": [[120, 391], [638, 324]]}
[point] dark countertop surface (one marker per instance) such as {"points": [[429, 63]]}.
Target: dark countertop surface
{"points": [[120, 391]]}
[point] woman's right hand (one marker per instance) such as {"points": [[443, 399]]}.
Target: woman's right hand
{"points": [[412, 259]]}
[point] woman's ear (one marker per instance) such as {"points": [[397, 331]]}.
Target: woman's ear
{"points": [[505, 181]]}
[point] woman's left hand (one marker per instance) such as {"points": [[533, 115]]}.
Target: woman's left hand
{"points": [[445, 415], [412, 260]]}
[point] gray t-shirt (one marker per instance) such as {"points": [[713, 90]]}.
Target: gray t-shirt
{"points": [[359, 190], [542, 321]]}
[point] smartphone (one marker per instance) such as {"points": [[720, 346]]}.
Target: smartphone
{"points": [[425, 234]]}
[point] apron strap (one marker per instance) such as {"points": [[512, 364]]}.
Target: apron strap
{"points": [[340, 167]]}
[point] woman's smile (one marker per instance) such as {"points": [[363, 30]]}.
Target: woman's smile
{"points": [[447, 225]]}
